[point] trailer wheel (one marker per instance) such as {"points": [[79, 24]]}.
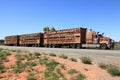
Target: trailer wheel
{"points": [[78, 46], [103, 46]]}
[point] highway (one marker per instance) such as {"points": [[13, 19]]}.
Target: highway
{"points": [[98, 56]]}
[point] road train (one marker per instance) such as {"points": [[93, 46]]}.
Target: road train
{"points": [[70, 38]]}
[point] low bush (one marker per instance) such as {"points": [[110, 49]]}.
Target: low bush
{"points": [[103, 66], [2, 68], [114, 71], [86, 60], [52, 54], [78, 77], [59, 72], [63, 56], [43, 60], [48, 75], [1, 49], [37, 54], [73, 59], [51, 65], [1, 61], [31, 57], [6, 60], [72, 71], [62, 66], [20, 57], [31, 78], [31, 64], [19, 68]]}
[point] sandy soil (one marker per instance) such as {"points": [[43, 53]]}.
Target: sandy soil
{"points": [[91, 72]]}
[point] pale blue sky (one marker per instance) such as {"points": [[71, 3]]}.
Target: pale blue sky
{"points": [[30, 16]]}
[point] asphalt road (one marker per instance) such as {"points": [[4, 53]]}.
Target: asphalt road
{"points": [[98, 56]]}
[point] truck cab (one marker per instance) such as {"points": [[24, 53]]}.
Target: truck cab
{"points": [[104, 42], [99, 40]]}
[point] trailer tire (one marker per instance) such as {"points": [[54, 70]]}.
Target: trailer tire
{"points": [[103, 46]]}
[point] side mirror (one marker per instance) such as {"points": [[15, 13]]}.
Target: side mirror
{"points": [[97, 32]]}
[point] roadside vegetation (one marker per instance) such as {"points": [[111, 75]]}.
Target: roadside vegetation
{"points": [[117, 46], [73, 59], [26, 62], [63, 56], [112, 69], [31, 78], [39, 66], [72, 71], [103, 66], [86, 60], [52, 54]]}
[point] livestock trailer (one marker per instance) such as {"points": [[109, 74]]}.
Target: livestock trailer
{"points": [[71, 38], [11, 40], [35, 40]]}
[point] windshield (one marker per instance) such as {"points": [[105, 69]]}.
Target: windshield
{"points": [[100, 36]]}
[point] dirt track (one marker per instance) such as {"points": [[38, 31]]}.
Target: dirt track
{"points": [[98, 56]]}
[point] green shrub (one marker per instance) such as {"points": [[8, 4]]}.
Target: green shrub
{"points": [[20, 57], [52, 54], [8, 53], [18, 51], [31, 78], [5, 53], [73, 59], [114, 71], [1, 55], [51, 65], [63, 56], [2, 68], [103, 66], [59, 72], [13, 50], [72, 71], [6, 60], [53, 77], [1, 61], [31, 64], [47, 74], [43, 60], [117, 46], [18, 62], [62, 66], [1, 49], [86, 60], [37, 54], [78, 77], [50, 75], [19, 68], [30, 57]]}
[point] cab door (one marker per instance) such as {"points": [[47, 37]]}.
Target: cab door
{"points": [[95, 39]]}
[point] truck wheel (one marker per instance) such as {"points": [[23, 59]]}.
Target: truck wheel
{"points": [[103, 46]]}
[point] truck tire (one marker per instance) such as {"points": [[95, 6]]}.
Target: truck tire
{"points": [[78, 46], [103, 46]]}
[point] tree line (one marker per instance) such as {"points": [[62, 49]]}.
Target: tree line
{"points": [[47, 29]]}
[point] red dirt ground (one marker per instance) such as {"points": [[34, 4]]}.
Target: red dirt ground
{"points": [[92, 73]]}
